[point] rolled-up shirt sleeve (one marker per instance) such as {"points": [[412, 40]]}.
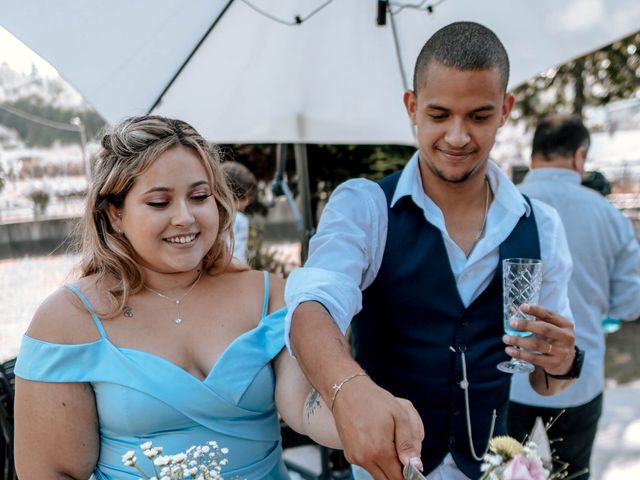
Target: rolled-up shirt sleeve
{"points": [[556, 260], [344, 255]]}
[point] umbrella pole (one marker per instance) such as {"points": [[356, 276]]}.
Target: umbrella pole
{"points": [[302, 168]]}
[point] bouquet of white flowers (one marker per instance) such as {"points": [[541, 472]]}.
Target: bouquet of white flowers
{"points": [[203, 462]]}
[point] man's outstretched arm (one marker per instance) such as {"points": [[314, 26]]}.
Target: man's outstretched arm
{"points": [[377, 431]]}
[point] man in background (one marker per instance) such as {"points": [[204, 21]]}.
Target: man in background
{"points": [[605, 282]]}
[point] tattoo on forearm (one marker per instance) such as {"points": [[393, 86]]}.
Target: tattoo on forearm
{"points": [[313, 404]]}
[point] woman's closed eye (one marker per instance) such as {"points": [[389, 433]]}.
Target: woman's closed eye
{"points": [[200, 197], [158, 204], [196, 197]]}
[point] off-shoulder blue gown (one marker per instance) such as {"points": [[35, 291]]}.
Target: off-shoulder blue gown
{"points": [[141, 396]]}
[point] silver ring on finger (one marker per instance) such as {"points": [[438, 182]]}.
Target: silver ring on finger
{"points": [[550, 348]]}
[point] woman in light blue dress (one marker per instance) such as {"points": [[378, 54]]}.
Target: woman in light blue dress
{"points": [[162, 338]]}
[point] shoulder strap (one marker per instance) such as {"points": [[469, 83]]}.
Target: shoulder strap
{"points": [[265, 305], [87, 304]]}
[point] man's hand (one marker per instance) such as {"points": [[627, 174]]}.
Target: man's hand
{"points": [[379, 432], [551, 349]]}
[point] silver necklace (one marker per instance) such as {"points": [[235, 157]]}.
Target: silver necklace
{"points": [[177, 301], [480, 231]]}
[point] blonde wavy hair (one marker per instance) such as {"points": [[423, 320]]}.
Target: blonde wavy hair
{"points": [[128, 150]]}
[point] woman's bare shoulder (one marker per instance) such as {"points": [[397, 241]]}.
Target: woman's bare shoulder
{"points": [[249, 285], [63, 318]]}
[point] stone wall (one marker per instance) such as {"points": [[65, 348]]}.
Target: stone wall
{"points": [[37, 237]]}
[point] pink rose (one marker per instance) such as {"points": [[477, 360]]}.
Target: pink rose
{"points": [[523, 468]]}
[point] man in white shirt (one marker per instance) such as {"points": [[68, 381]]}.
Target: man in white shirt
{"points": [[605, 282], [417, 256]]}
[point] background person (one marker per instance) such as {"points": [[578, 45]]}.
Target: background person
{"points": [[605, 282], [417, 258], [162, 338], [243, 184]]}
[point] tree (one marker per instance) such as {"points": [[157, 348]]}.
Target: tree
{"points": [[593, 80], [329, 165], [37, 135]]}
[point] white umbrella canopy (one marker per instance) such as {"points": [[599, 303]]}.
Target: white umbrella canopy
{"points": [[334, 78]]}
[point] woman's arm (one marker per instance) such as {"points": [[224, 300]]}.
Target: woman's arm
{"points": [[300, 406], [56, 430], [56, 424]]}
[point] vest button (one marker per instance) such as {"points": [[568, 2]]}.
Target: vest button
{"points": [[456, 412], [462, 347], [463, 321], [452, 439]]}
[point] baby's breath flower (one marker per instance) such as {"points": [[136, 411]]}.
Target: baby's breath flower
{"points": [[224, 450], [129, 458], [178, 458], [162, 460], [203, 462]]}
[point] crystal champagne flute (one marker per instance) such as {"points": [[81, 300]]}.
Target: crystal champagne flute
{"points": [[521, 280]]}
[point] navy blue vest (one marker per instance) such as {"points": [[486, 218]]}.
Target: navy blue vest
{"points": [[412, 314]]}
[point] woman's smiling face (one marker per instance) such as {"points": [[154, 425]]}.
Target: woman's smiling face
{"points": [[170, 216]]}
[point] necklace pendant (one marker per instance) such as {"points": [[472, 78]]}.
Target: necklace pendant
{"points": [[178, 321]]}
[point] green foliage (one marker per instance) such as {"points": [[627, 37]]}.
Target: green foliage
{"points": [[36, 135], [600, 77], [329, 165], [262, 257], [40, 199]]}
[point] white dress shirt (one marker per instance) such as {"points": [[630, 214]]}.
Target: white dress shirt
{"points": [[605, 279], [346, 252], [240, 236]]}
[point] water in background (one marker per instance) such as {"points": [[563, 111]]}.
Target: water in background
{"points": [[24, 284]]}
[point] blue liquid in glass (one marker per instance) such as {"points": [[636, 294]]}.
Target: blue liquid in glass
{"points": [[517, 333]]}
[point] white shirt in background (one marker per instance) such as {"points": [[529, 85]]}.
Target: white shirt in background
{"points": [[241, 236], [605, 279]]}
